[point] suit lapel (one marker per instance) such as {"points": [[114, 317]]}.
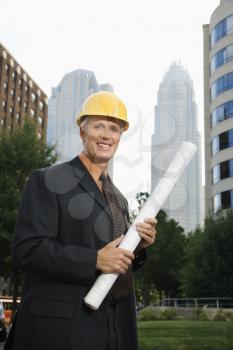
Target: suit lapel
{"points": [[88, 184]]}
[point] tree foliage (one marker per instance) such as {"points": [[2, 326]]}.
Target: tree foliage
{"points": [[20, 153], [162, 271], [197, 265], [168, 256], [209, 259]]}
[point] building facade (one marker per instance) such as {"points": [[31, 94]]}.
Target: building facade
{"points": [[64, 104], [175, 122], [20, 97], [218, 108]]}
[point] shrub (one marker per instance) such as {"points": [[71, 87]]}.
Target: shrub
{"points": [[200, 315], [148, 314], [220, 316], [229, 316], [168, 314]]}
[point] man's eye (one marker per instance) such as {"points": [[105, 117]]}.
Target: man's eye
{"points": [[115, 129]]}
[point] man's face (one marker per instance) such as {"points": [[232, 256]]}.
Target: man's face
{"points": [[101, 136]]}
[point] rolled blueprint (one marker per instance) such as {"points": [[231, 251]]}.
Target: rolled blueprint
{"points": [[151, 207]]}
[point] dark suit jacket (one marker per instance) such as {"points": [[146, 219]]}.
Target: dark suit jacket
{"points": [[63, 220]]}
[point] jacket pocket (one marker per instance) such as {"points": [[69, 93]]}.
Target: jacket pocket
{"points": [[51, 308]]}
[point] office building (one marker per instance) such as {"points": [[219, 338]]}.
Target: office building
{"points": [[175, 122], [20, 97], [218, 108]]}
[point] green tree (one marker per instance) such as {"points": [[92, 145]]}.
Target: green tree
{"points": [[167, 256], [20, 153], [194, 282], [162, 271], [209, 259]]}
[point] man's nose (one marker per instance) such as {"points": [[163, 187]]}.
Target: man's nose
{"points": [[105, 133]]}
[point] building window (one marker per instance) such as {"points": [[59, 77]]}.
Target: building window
{"points": [[41, 105], [12, 93], [221, 29], [40, 120], [6, 67], [2, 121], [20, 82], [39, 136], [25, 88], [13, 75], [216, 173], [17, 117], [4, 105], [215, 145], [223, 200], [222, 141], [32, 112], [221, 113], [217, 202], [221, 85], [222, 57], [5, 86], [33, 97], [18, 99], [25, 106], [222, 171], [11, 110]]}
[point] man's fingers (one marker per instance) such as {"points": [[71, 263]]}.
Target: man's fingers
{"points": [[151, 220], [116, 241], [147, 238], [127, 260], [121, 267], [127, 253], [114, 259]]}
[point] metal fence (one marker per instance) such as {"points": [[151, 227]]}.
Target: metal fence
{"points": [[197, 302]]}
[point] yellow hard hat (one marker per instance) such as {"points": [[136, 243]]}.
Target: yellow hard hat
{"points": [[104, 103]]}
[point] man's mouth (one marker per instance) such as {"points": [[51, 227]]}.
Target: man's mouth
{"points": [[103, 145]]}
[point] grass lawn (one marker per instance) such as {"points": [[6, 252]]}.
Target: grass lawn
{"points": [[185, 335]]}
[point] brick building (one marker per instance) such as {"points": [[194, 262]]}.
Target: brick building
{"points": [[20, 97]]}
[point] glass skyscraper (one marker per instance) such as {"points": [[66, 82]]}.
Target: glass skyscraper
{"points": [[218, 108], [175, 122]]}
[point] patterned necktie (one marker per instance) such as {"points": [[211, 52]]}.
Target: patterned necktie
{"points": [[124, 283]]}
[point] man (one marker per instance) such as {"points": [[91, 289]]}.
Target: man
{"points": [[67, 234]]}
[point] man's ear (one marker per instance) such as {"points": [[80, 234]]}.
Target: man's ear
{"points": [[82, 133]]}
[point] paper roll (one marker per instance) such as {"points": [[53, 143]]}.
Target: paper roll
{"points": [[150, 208]]}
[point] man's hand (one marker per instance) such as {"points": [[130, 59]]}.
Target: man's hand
{"points": [[111, 259], [147, 232]]}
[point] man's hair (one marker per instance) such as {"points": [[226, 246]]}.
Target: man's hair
{"points": [[84, 122]]}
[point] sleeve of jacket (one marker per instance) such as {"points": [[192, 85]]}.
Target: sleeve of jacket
{"points": [[35, 244]]}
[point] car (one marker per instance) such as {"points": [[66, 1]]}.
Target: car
{"points": [[3, 330]]}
